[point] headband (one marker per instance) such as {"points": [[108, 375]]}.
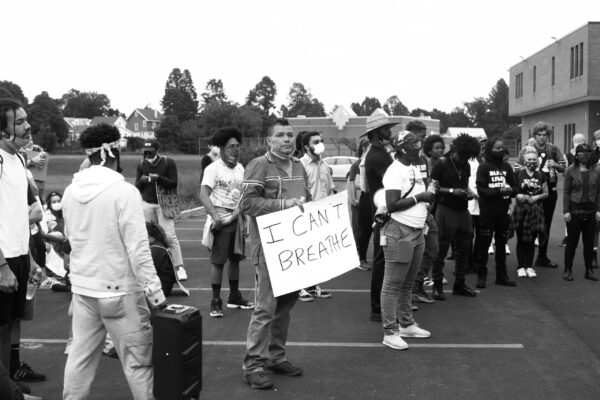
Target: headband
{"points": [[104, 149]]}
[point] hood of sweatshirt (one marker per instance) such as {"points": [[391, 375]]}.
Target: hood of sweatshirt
{"points": [[90, 182]]}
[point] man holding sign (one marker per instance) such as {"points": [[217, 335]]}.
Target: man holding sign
{"points": [[272, 183]]}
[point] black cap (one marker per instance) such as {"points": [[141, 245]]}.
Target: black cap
{"points": [[150, 144], [583, 147]]}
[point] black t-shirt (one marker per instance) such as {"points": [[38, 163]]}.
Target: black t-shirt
{"points": [[354, 170], [376, 163], [491, 179], [530, 185], [451, 175], [206, 161]]}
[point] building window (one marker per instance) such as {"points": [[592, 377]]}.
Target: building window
{"points": [[553, 69], [569, 132], [577, 60], [144, 123], [519, 85], [580, 59], [136, 127], [534, 77]]}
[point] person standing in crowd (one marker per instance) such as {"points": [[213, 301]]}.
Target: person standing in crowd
{"points": [[473, 204], [496, 186], [578, 139], [406, 199], [377, 160], [15, 260], [110, 282], [549, 164], [353, 186], [450, 177], [220, 194], [581, 208], [37, 163], [527, 218], [321, 185], [210, 157], [594, 160], [156, 170], [273, 182]]}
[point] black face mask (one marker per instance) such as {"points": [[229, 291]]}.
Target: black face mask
{"points": [[497, 155]]}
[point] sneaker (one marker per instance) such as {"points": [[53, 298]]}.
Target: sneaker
{"points": [[364, 265], [563, 242], [536, 242], [420, 295], [428, 282], [285, 368], [531, 272], [444, 281], [395, 342], [507, 250], [26, 374], [317, 292], [258, 380], [110, 351], [305, 296], [521, 273], [30, 397], [545, 263], [414, 331], [181, 273], [216, 308], [491, 249], [414, 307], [238, 301]]}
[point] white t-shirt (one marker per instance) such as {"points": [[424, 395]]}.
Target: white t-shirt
{"points": [[473, 205], [14, 208], [225, 182], [401, 177]]}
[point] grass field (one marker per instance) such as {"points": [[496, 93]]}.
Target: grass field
{"points": [[62, 167]]}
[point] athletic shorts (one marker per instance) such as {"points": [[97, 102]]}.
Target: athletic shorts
{"points": [[12, 305], [223, 244]]}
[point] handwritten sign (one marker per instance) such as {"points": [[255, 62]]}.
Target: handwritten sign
{"points": [[306, 247]]}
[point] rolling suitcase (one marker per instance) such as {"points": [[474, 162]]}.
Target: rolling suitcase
{"points": [[177, 353]]}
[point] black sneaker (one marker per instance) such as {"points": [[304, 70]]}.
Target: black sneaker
{"points": [[285, 368], [545, 263], [463, 290], [258, 380], [216, 308], [420, 295], [26, 374], [317, 292], [237, 301]]}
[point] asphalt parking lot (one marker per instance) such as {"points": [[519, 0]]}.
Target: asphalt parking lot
{"points": [[536, 341]]}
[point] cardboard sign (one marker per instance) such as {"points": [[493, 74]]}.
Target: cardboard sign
{"points": [[308, 246]]}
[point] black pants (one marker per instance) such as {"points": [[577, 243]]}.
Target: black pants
{"points": [[365, 220], [584, 224], [473, 261], [378, 269], [525, 250], [453, 225], [492, 222], [549, 205]]}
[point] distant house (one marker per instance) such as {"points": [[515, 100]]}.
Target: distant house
{"points": [[76, 126], [143, 122], [118, 122]]}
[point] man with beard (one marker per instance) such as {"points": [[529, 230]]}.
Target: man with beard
{"points": [[220, 195], [156, 170]]}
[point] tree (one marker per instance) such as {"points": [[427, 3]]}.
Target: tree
{"points": [[302, 102], [218, 115], [214, 92], [48, 126], [393, 106], [458, 118], [477, 110], [15, 90], [366, 108], [180, 98], [167, 132], [78, 104], [263, 95], [417, 112]]}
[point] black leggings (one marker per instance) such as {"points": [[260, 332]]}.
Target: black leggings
{"points": [[584, 224], [365, 220]]}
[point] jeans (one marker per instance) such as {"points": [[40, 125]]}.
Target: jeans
{"points": [[586, 226], [456, 226], [403, 252], [268, 328], [492, 223], [152, 212], [549, 204], [127, 320], [431, 250]]}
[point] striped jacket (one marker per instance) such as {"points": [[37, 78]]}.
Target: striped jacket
{"points": [[266, 186]]}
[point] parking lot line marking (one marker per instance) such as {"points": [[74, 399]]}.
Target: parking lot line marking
{"points": [[190, 240], [189, 229], [505, 346]]}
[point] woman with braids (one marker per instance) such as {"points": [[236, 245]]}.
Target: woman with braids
{"points": [[450, 177]]}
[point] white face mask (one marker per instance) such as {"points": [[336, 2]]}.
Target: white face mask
{"points": [[319, 149], [56, 206]]}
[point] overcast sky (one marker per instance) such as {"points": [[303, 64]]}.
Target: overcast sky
{"points": [[435, 53]]}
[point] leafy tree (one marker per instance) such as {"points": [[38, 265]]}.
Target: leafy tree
{"points": [[46, 120], [459, 118], [180, 98], [15, 90], [477, 110], [393, 106], [302, 102], [167, 132], [366, 108], [417, 112], [84, 104], [263, 95], [115, 113], [214, 92], [218, 115]]}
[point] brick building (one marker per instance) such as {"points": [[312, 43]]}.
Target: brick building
{"points": [[560, 85]]}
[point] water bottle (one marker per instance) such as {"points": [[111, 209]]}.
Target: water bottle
{"points": [[33, 283]]}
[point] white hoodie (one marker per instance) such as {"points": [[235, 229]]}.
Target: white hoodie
{"points": [[105, 225]]}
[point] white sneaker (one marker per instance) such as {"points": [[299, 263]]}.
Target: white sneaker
{"points": [[521, 273], [414, 331], [507, 250], [531, 272], [536, 243], [181, 274], [491, 249], [427, 281], [395, 342], [444, 281]]}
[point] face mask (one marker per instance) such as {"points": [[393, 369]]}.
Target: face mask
{"points": [[498, 155], [319, 149], [152, 157], [56, 206], [532, 165], [230, 156], [18, 143]]}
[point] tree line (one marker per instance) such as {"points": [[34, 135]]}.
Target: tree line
{"points": [[188, 117]]}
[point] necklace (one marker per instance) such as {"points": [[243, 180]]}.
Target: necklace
{"points": [[459, 173]]}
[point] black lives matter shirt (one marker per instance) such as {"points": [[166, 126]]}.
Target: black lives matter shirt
{"points": [[491, 178]]}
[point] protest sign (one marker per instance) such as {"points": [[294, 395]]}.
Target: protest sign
{"points": [[309, 245]]}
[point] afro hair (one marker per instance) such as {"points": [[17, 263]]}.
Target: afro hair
{"points": [[223, 135], [96, 135], [430, 141], [466, 146]]}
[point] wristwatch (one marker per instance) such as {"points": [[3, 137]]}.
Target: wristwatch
{"points": [[451, 190]]}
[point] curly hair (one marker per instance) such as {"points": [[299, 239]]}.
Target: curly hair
{"points": [[430, 141], [465, 146], [223, 135], [96, 135]]}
